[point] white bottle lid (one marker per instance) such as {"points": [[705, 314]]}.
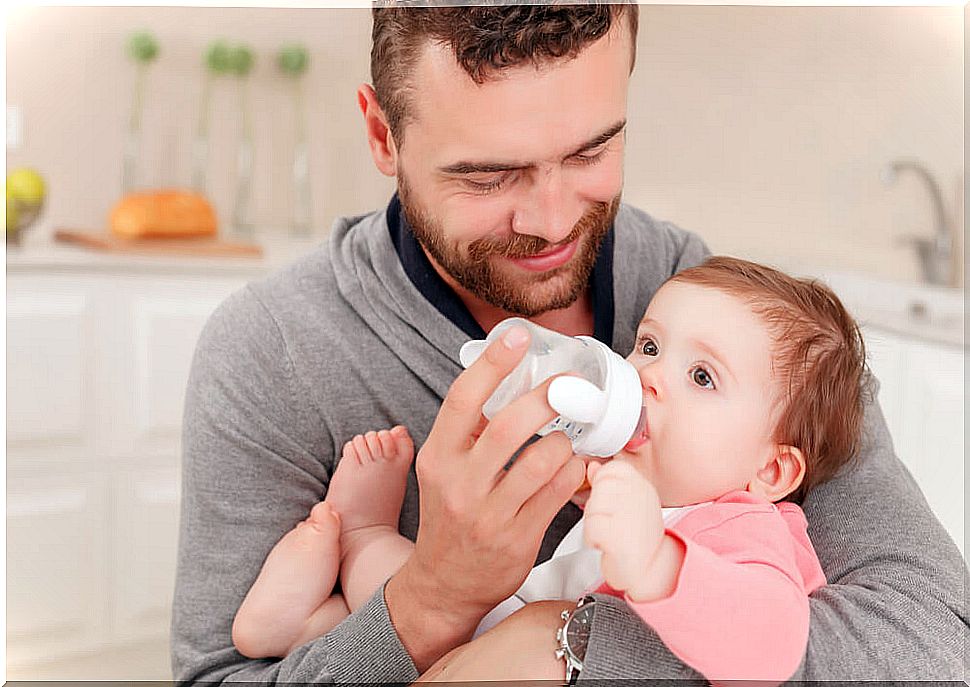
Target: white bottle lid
{"points": [[470, 351], [612, 413]]}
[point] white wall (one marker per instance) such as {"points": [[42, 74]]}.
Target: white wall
{"points": [[763, 128]]}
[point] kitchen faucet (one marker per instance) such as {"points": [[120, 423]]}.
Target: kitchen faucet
{"points": [[936, 253]]}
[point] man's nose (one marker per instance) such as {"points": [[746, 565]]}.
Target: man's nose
{"points": [[550, 208]]}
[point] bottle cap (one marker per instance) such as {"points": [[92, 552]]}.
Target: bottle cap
{"points": [[470, 351], [618, 405]]}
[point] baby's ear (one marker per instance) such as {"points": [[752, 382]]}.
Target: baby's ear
{"points": [[781, 475]]}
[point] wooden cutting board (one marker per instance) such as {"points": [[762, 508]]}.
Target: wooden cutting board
{"points": [[198, 247]]}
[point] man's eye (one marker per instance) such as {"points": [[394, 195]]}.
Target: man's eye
{"points": [[650, 347], [590, 158], [701, 377], [485, 186]]}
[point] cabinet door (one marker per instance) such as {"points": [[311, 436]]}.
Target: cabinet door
{"points": [[884, 356], [159, 321], [921, 394], [56, 564], [146, 537], [931, 438], [49, 357], [97, 367]]}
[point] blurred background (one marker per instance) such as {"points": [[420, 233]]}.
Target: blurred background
{"points": [[825, 140]]}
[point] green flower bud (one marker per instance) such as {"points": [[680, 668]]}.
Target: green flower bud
{"points": [[218, 57], [241, 60], [142, 47], [293, 59]]}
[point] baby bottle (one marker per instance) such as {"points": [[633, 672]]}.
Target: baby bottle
{"points": [[599, 404]]}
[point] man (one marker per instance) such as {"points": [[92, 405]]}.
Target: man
{"points": [[504, 128]]}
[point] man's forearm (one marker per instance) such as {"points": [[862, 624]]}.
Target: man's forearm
{"points": [[621, 645], [426, 627]]}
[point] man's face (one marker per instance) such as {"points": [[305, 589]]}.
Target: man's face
{"points": [[510, 186]]}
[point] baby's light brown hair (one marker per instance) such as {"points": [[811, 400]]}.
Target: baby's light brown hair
{"points": [[819, 358]]}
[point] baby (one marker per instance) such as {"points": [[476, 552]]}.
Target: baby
{"points": [[753, 391]]}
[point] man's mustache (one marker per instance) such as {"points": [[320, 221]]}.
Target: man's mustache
{"points": [[525, 246]]}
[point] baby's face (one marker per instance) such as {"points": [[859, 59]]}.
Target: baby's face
{"points": [[704, 360]]}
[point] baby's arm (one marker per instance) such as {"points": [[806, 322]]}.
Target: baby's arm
{"points": [[623, 520], [738, 608], [727, 601]]}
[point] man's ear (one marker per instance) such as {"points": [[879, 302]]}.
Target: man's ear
{"points": [[379, 138], [781, 475]]}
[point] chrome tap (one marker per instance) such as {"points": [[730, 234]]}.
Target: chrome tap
{"points": [[935, 252]]}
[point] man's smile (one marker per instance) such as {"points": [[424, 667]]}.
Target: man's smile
{"points": [[549, 259]]}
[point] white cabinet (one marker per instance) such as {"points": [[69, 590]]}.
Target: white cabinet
{"points": [[56, 554], [49, 352], [922, 395], [97, 364], [144, 552]]}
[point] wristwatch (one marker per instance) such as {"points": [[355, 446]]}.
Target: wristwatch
{"points": [[573, 637]]}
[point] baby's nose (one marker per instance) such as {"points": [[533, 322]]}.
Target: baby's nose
{"points": [[651, 380]]}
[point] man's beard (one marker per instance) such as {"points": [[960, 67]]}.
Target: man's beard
{"points": [[520, 293]]}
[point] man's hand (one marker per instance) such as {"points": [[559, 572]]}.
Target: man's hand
{"points": [[623, 520], [481, 526]]}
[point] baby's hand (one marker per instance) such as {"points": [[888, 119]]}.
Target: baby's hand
{"points": [[623, 520]]}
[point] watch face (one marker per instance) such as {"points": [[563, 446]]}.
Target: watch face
{"points": [[577, 631]]}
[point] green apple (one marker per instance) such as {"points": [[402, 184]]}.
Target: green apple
{"points": [[26, 186]]}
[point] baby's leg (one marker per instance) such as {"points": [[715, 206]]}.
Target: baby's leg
{"points": [[290, 602], [367, 490]]}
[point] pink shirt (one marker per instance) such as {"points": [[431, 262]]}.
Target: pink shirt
{"points": [[740, 606]]}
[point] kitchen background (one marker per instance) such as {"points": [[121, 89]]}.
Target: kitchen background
{"points": [[768, 130]]}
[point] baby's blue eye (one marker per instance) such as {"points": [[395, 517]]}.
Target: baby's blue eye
{"points": [[702, 378], [649, 347]]}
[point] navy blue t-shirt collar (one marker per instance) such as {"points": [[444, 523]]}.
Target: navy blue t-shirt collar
{"points": [[430, 284]]}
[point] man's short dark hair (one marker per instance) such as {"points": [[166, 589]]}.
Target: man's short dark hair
{"points": [[485, 39]]}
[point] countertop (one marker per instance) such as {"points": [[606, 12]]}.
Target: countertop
{"points": [[42, 253], [917, 311]]}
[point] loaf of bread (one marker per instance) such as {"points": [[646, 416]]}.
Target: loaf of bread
{"points": [[163, 214]]}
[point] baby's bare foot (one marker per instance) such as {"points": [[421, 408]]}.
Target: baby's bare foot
{"points": [[368, 485]]}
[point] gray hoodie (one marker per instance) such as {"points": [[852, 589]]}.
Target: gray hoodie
{"points": [[339, 343]]}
